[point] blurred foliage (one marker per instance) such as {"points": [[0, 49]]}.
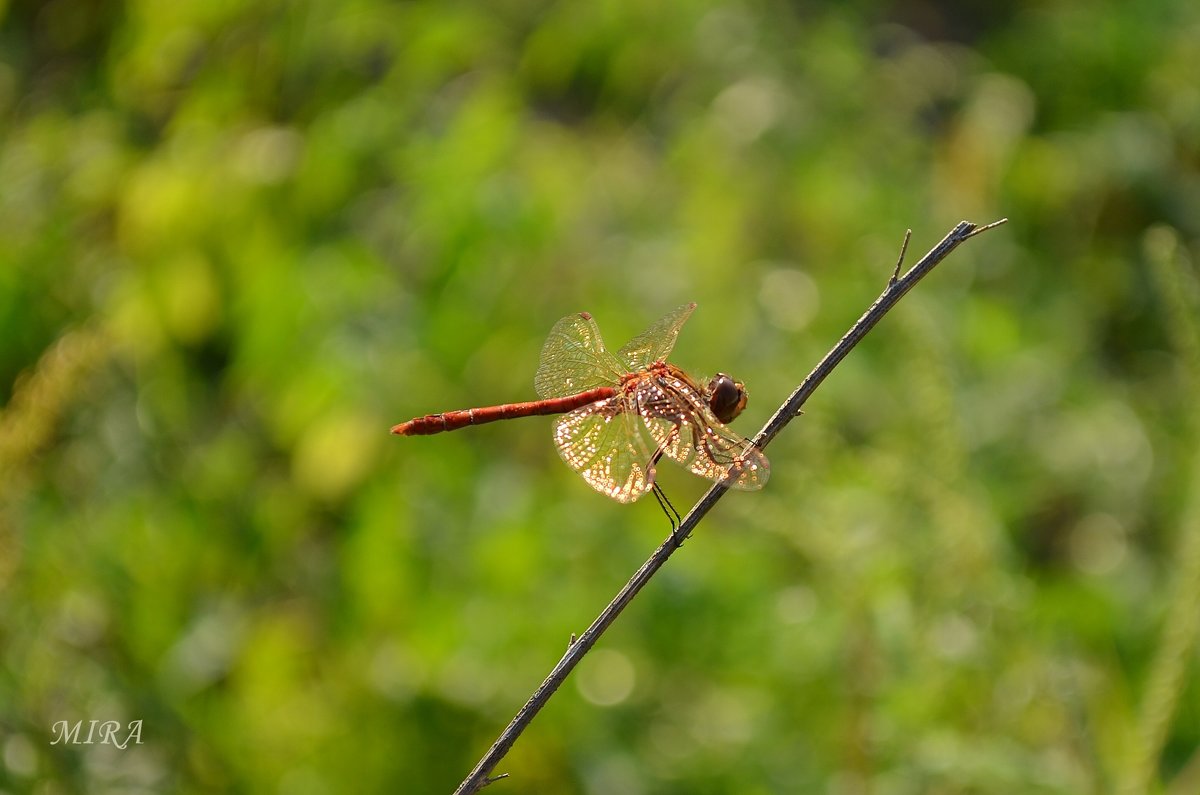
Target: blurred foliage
{"points": [[241, 239]]}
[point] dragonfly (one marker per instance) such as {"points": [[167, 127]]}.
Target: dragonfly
{"points": [[625, 411]]}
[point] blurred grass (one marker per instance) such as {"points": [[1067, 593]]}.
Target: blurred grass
{"points": [[1164, 686], [242, 239]]}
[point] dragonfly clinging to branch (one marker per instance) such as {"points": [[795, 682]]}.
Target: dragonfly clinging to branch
{"points": [[625, 411]]}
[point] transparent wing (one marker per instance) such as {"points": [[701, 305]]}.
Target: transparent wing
{"points": [[685, 429], [574, 359], [604, 442], [655, 343]]}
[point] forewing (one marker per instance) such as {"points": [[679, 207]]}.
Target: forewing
{"points": [[655, 343], [574, 359], [686, 431], [604, 442]]}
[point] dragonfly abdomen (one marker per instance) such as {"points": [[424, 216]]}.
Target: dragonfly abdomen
{"points": [[453, 420]]}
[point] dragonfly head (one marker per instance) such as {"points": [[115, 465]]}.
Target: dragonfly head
{"points": [[726, 397]]}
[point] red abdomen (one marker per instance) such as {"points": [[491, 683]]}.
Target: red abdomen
{"points": [[453, 420]]}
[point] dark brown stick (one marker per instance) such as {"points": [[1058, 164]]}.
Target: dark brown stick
{"points": [[580, 646]]}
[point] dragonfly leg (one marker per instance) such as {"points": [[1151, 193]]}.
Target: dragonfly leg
{"points": [[667, 508]]}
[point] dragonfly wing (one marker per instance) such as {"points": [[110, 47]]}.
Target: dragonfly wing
{"points": [[574, 359], [655, 343], [604, 442], [688, 433]]}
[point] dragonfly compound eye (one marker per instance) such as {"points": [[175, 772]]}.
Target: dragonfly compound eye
{"points": [[726, 397]]}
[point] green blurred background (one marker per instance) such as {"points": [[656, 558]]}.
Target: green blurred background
{"points": [[239, 240]]}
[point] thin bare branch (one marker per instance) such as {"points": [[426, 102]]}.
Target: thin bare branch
{"points": [[886, 300], [981, 229], [786, 413], [900, 259], [491, 780]]}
